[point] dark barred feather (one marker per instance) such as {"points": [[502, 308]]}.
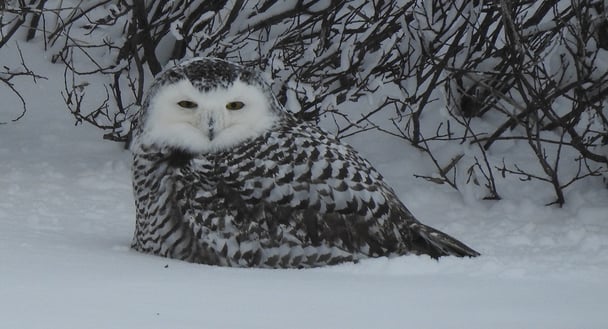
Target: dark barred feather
{"points": [[291, 198]]}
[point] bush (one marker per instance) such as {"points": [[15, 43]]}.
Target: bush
{"points": [[502, 71]]}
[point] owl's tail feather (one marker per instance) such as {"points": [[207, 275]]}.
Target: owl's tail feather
{"points": [[429, 241]]}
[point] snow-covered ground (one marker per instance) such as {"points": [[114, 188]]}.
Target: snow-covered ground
{"points": [[67, 215]]}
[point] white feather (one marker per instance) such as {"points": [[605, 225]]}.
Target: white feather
{"points": [[169, 124]]}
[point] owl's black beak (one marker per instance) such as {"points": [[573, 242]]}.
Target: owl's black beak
{"points": [[211, 128]]}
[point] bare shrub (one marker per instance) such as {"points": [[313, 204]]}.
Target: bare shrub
{"points": [[500, 71]]}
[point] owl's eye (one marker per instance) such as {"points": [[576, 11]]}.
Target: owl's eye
{"points": [[235, 105], [187, 104]]}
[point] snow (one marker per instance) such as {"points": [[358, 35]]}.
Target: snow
{"points": [[67, 216]]}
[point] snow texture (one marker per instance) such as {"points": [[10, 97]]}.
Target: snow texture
{"points": [[67, 217]]}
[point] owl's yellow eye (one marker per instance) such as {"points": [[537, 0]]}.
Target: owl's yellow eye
{"points": [[235, 105], [187, 104]]}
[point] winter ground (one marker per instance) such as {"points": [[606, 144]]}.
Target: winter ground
{"points": [[67, 215]]}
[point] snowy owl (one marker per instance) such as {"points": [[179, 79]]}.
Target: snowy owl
{"points": [[224, 175]]}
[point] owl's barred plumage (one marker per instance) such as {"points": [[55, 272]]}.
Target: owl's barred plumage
{"points": [[286, 195]]}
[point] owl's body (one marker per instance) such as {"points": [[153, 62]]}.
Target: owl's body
{"points": [[253, 186]]}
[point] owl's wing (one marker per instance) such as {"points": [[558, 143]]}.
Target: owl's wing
{"points": [[343, 200]]}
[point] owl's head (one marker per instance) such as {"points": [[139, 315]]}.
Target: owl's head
{"points": [[205, 105]]}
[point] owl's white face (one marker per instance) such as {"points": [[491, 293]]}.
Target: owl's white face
{"points": [[183, 117]]}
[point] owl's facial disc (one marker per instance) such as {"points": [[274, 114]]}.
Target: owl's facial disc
{"points": [[186, 118]]}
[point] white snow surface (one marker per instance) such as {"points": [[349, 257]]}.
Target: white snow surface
{"points": [[67, 216]]}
